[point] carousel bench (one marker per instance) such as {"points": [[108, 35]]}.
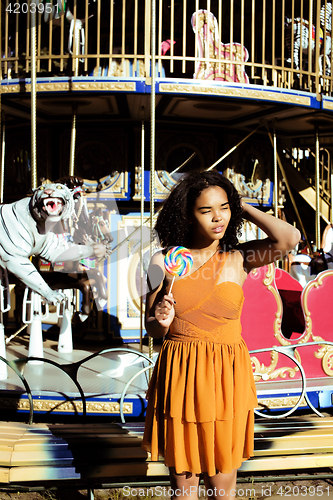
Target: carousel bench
{"points": [[110, 455]]}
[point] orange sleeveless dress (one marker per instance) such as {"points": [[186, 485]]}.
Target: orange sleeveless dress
{"points": [[202, 393]]}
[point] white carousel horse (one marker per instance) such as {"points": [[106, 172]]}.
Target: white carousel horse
{"points": [[205, 27]]}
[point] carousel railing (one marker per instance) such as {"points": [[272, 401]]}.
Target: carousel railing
{"points": [[284, 44], [73, 371]]}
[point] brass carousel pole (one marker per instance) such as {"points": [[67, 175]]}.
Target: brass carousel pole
{"points": [[76, 47], [73, 142], [318, 243], [33, 51], [152, 138]]}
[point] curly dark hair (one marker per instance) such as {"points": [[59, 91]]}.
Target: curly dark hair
{"points": [[173, 223]]}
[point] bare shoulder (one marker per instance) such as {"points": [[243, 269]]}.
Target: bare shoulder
{"points": [[233, 269]]}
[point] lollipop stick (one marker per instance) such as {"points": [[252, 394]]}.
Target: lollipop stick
{"points": [[172, 282]]}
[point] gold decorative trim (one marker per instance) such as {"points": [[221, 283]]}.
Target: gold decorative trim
{"points": [[307, 314], [66, 406], [138, 183], [326, 353], [276, 403], [234, 92], [327, 104], [270, 372], [268, 280], [163, 184], [66, 86], [327, 362], [117, 187]]}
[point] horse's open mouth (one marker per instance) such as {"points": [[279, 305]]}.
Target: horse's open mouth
{"points": [[53, 206]]}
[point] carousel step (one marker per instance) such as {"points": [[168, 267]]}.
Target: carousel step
{"points": [[58, 452]]}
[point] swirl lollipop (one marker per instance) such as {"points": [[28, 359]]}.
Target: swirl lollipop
{"points": [[178, 262]]}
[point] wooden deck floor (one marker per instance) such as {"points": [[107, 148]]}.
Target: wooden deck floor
{"points": [[99, 452]]}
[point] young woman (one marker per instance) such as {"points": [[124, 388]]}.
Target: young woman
{"points": [[202, 393]]}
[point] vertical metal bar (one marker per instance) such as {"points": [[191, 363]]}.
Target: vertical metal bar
{"points": [[142, 206], [276, 200], [135, 34], [73, 142], [253, 37], [232, 48], [219, 39], [16, 43], [123, 37], [50, 42], [33, 33], [172, 34], [28, 36], [310, 50], [147, 36], [196, 52], [242, 25], [76, 43], [152, 137], [184, 36], [86, 25], [301, 50], [292, 42], [3, 152], [62, 36], [209, 27], [39, 44], [6, 39], [283, 73], [111, 33], [159, 30], [263, 40], [273, 44], [317, 192]]}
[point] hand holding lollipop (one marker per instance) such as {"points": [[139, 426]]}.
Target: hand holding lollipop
{"points": [[178, 262]]}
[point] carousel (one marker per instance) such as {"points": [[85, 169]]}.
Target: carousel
{"points": [[105, 106]]}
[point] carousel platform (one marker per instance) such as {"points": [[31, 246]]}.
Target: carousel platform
{"points": [[89, 381], [102, 381]]}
